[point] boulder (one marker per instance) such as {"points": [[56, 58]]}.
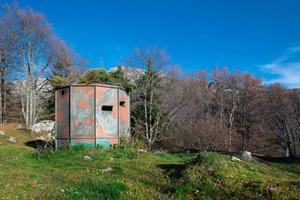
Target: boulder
{"points": [[40, 138], [50, 136], [108, 169], [246, 155], [142, 151], [12, 139], [2, 133], [87, 158], [43, 126], [235, 158]]}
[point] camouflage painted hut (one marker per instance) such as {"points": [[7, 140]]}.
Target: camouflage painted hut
{"points": [[91, 115]]}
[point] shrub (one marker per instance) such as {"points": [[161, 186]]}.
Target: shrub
{"points": [[101, 76]]}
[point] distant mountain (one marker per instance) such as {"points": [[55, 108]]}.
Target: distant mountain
{"points": [[132, 74], [42, 86]]}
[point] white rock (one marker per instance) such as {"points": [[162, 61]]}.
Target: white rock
{"points": [[247, 155], [46, 126], [235, 158], [159, 152], [40, 138], [2, 133], [132, 74], [111, 159], [87, 158], [109, 169], [142, 151], [50, 136], [12, 139]]}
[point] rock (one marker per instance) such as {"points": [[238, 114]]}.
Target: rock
{"points": [[142, 151], [111, 159], [87, 158], [43, 126], [132, 74], [247, 155], [109, 169], [50, 136], [235, 158], [12, 139], [40, 138], [2, 133], [159, 152]]}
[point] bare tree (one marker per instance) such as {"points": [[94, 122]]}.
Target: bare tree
{"points": [[295, 104], [250, 90], [3, 85], [153, 111], [35, 50], [284, 105], [5, 68], [227, 95]]}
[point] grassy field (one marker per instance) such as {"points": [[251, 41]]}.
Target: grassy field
{"points": [[64, 174]]}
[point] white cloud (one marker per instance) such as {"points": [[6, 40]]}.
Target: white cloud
{"points": [[286, 71]]}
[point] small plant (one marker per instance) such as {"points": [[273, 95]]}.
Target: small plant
{"points": [[209, 158], [59, 81], [44, 147], [125, 149]]}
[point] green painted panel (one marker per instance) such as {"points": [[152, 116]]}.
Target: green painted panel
{"points": [[83, 143], [103, 142]]}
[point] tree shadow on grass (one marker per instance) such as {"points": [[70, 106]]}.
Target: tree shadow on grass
{"points": [[288, 164], [175, 174], [282, 160], [173, 171]]}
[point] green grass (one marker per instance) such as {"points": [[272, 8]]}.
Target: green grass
{"points": [[215, 176], [64, 174]]}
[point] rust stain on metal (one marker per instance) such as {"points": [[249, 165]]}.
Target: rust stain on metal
{"points": [[88, 121], [83, 104], [62, 113]]}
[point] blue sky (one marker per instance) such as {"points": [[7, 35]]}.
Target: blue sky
{"points": [[260, 37]]}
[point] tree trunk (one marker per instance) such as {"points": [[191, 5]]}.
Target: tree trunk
{"points": [[287, 152]]}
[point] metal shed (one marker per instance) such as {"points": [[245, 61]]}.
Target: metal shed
{"points": [[91, 115]]}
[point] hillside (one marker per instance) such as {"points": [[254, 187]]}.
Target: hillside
{"points": [[124, 173]]}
